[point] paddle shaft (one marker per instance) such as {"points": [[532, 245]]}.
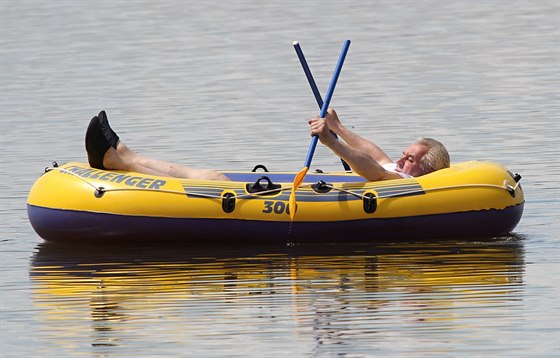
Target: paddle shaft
{"points": [[308, 74], [327, 100], [314, 88]]}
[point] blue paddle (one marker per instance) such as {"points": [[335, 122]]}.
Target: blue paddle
{"points": [[314, 88], [301, 175]]}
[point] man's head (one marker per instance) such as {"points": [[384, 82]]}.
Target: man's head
{"points": [[424, 156]]}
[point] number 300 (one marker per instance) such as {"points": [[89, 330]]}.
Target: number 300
{"points": [[276, 207]]}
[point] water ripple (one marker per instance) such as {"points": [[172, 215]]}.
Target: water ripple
{"points": [[328, 295]]}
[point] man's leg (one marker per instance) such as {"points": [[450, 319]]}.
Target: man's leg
{"points": [[107, 151], [136, 162]]}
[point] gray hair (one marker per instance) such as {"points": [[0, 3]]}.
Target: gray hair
{"points": [[436, 157]]}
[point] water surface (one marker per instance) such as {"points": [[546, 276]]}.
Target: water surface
{"points": [[214, 84]]}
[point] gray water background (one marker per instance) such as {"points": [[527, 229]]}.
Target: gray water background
{"points": [[217, 84]]}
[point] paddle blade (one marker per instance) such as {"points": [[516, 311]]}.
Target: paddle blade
{"points": [[297, 182]]}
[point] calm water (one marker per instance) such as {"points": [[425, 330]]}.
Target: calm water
{"points": [[215, 84]]}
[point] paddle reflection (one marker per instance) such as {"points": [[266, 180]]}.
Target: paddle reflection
{"points": [[333, 293]]}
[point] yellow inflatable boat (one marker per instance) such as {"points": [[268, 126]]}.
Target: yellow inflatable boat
{"points": [[76, 203]]}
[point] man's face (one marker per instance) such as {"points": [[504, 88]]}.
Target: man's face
{"points": [[409, 163]]}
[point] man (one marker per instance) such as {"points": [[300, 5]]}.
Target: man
{"points": [[424, 156], [106, 151]]}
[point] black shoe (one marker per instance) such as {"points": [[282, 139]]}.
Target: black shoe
{"points": [[96, 144], [108, 132]]}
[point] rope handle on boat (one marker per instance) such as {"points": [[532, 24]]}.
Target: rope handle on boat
{"points": [[99, 191], [366, 196]]}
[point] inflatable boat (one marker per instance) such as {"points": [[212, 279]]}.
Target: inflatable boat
{"points": [[76, 203]]}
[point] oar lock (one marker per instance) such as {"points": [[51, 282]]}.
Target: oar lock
{"points": [[269, 187], [321, 187]]}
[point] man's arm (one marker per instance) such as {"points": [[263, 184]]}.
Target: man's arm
{"points": [[361, 162], [354, 140]]}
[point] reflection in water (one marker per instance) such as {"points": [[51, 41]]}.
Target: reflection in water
{"points": [[343, 299]]}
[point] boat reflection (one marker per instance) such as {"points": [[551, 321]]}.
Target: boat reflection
{"points": [[318, 289]]}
